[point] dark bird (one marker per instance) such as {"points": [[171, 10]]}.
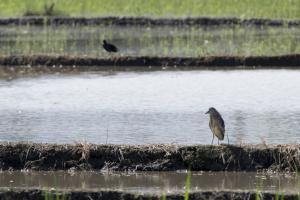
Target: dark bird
{"points": [[216, 124], [109, 47]]}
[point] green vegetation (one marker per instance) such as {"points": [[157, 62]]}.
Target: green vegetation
{"points": [[287, 9], [298, 182], [49, 195], [149, 41], [259, 188], [164, 197], [279, 194], [260, 182], [187, 185]]}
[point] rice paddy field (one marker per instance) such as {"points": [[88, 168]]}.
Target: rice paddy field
{"points": [[173, 41], [113, 130]]}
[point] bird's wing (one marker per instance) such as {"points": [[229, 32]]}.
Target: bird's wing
{"points": [[115, 48], [220, 121]]}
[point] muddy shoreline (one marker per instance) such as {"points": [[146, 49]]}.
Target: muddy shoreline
{"points": [[17, 156], [44, 63], [144, 21], [28, 194]]}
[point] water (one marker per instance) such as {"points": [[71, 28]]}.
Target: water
{"points": [[149, 40], [150, 182], [151, 107]]}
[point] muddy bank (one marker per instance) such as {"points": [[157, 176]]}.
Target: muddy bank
{"points": [[144, 21], [148, 157], [43, 63], [118, 195]]}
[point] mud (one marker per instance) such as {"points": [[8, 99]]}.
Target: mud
{"points": [[16, 156], [42, 63], [118, 195], [144, 21]]}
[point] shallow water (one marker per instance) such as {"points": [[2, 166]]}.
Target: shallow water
{"points": [[150, 40], [157, 182], [151, 107]]}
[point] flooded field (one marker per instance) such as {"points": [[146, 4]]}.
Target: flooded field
{"points": [[182, 41], [78, 122], [151, 107], [150, 182]]}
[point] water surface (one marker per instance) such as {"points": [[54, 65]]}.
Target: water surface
{"points": [[152, 182], [150, 40], [151, 107]]}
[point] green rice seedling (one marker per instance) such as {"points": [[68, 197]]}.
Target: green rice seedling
{"points": [[187, 185], [46, 195], [59, 196], [277, 195], [258, 195], [153, 41], [258, 192], [281, 195], [298, 182], [51, 196]]}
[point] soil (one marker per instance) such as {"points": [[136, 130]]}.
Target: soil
{"points": [[144, 21], [17, 156], [14, 65], [118, 195]]}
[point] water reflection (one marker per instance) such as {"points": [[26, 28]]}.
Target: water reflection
{"points": [[149, 40], [149, 181], [151, 107]]}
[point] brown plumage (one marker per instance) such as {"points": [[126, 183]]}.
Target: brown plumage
{"points": [[216, 124]]}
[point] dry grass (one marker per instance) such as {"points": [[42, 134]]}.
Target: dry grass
{"points": [[159, 156]]}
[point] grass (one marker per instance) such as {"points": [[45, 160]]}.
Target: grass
{"points": [[54, 196], [298, 182], [286, 9], [259, 188], [187, 185], [150, 41], [279, 195], [48, 195]]}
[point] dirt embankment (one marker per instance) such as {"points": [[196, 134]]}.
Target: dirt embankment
{"points": [[105, 195], [43, 63], [148, 158], [144, 21]]}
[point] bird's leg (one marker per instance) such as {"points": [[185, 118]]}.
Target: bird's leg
{"points": [[218, 141], [213, 139], [227, 138]]}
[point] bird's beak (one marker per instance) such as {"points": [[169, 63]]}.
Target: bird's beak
{"points": [[207, 112]]}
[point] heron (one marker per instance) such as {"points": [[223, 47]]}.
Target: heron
{"points": [[216, 124], [109, 47]]}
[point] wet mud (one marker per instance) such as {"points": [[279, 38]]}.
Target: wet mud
{"points": [[44, 63], [144, 21], [16, 156], [118, 195]]}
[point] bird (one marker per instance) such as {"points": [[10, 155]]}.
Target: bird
{"points": [[216, 124], [109, 47]]}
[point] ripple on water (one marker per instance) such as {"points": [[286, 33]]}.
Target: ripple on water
{"points": [[151, 107]]}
